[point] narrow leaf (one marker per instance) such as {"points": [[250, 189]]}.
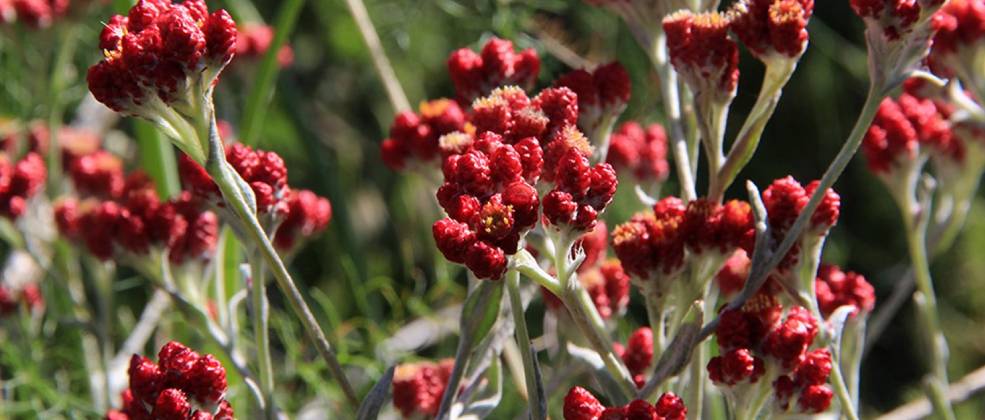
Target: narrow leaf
{"points": [[370, 408]]}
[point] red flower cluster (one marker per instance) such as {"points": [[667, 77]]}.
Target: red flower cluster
{"points": [[183, 385], [640, 151], [19, 181], [33, 13], [594, 244], [254, 40], [29, 295], [837, 288], [653, 244], [158, 50], [637, 354], [895, 17], [490, 200], [960, 26], [772, 27], [703, 53], [264, 171], [418, 387], [415, 135], [580, 404], [900, 127], [137, 221], [755, 335], [498, 64], [603, 92], [785, 199], [98, 174], [581, 191], [36, 138], [307, 215]]}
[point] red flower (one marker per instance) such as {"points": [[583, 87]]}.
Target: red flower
{"points": [[836, 288], [703, 53], [416, 135], [640, 152], [19, 182], [769, 27], [308, 214], [497, 65], [602, 92], [418, 387], [254, 40]]}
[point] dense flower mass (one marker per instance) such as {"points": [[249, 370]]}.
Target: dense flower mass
{"points": [[703, 53], [837, 288], [637, 354], [158, 53], [755, 340], [498, 64], [254, 40], [415, 135], [19, 182], [33, 13], [900, 127], [580, 404], [960, 26], [896, 18], [181, 385], [653, 244], [640, 151], [785, 199], [264, 171], [307, 215], [772, 27], [602, 93], [581, 191], [418, 387]]}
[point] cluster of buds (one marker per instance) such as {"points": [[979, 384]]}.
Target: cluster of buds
{"points": [[732, 276], [895, 18], [580, 404], [415, 135], [510, 113], [19, 182], [161, 62], [254, 40], [33, 13], [307, 215], [498, 64], [418, 387], [137, 222], [704, 54], [28, 295], [264, 171], [652, 246], [181, 385], [957, 47], [898, 34], [640, 152], [757, 344], [637, 354], [489, 198], [837, 288], [581, 191], [602, 94], [785, 199], [772, 29]]}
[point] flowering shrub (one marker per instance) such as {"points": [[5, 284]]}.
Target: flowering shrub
{"points": [[605, 241]]}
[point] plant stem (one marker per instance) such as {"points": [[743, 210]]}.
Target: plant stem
{"points": [[56, 85], [523, 341], [845, 397], [927, 306], [670, 93], [380, 62], [261, 334], [230, 186]]}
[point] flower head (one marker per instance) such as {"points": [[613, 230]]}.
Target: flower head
{"points": [[580, 404], [253, 42], [307, 215], [772, 28], [498, 64], [19, 182], [837, 288], [640, 151], [418, 387], [703, 53], [416, 135], [602, 93]]}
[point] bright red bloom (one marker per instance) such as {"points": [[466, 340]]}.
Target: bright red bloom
{"points": [[308, 214], [19, 182], [156, 50], [901, 127], [703, 53], [418, 387], [580, 404], [33, 13], [836, 288], [264, 171], [182, 386], [732, 277], [734, 367], [960, 26], [640, 152], [602, 92], [416, 135], [98, 174], [639, 351], [770, 27], [497, 65], [895, 18], [652, 244]]}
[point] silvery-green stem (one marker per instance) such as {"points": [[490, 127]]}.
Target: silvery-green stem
{"points": [[669, 92], [523, 342], [261, 333], [235, 192]]}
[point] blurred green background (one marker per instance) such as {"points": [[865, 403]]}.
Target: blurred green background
{"points": [[376, 268]]}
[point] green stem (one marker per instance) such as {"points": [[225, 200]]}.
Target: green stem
{"points": [[63, 59], [927, 306], [380, 62], [261, 333], [232, 188], [523, 341], [670, 96], [844, 396]]}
